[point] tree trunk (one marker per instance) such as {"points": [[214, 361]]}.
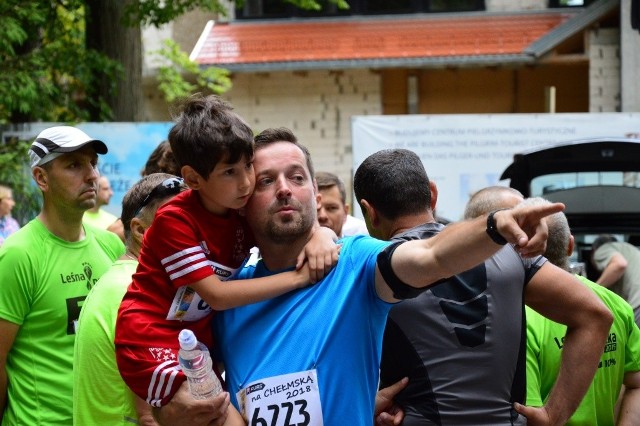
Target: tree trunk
{"points": [[107, 34]]}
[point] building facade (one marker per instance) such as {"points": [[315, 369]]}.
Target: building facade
{"points": [[313, 73]]}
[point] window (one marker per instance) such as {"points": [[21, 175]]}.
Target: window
{"points": [[275, 9], [569, 3], [543, 185]]}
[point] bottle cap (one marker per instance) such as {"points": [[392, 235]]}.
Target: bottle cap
{"points": [[187, 339]]}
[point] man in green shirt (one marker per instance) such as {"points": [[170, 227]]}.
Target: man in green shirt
{"points": [[619, 364], [112, 402], [97, 216], [47, 269]]}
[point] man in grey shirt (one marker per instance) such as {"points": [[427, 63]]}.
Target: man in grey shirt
{"points": [[619, 266], [462, 342]]}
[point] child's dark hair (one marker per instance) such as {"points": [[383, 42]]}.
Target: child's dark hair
{"points": [[206, 132], [161, 160]]}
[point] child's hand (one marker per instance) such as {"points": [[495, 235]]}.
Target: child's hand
{"points": [[302, 276], [320, 254]]}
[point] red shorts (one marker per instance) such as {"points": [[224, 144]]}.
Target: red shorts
{"points": [[152, 373]]}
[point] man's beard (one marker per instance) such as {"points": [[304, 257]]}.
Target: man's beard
{"points": [[289, 231]]}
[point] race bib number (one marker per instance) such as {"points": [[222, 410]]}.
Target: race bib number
{"points": [[286, 400], [187, 305]]}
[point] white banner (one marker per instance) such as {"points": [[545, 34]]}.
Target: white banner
{"points": [[466, 152]]}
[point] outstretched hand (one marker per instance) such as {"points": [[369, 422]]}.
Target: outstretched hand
{"points": [[525, 227]]}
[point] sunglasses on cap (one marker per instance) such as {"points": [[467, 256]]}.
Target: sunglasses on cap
{"points": [[167, 187]]}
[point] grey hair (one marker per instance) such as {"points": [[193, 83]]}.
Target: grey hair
{"points": [[559, 234]]}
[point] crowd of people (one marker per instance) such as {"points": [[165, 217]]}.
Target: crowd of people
{"points": [[396, 319]]}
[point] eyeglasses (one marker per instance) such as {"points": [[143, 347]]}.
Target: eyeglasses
{"points": [[171, 186]]}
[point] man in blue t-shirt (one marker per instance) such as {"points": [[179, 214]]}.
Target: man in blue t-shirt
{"points": [[312, 356]]}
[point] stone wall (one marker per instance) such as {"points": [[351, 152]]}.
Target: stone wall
{"points": [[604, 70], [316, 105]]}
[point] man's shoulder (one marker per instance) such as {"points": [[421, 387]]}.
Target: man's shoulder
{"points": [[420, 232], [354, 249], [614, 302], [109, 290], [108, 216], [99, 219], [107, 239], [360, 242], [360, 250], [26, 237], [608, 249]]}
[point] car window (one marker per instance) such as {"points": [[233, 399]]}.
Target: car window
{"points": [[542, 185]]}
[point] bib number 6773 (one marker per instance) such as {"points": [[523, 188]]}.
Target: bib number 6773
{"points": [[296, 410], [291, 399]]}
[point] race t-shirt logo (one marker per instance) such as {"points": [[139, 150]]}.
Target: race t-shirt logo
{"points": [[88, 272], [162, 354], [85, 276]]}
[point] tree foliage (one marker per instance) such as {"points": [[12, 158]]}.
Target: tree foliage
{"points": [[171, 77], [47, 72], [153, 12], [316, 5], [45, 67], [52, 69]]}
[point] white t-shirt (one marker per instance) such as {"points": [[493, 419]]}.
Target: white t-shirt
{"points": [[354, 226]]}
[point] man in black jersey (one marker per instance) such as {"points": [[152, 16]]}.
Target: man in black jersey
{"points": [[462, 342]]}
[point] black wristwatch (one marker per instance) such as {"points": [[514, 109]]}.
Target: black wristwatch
{"points": [[492, 231]]}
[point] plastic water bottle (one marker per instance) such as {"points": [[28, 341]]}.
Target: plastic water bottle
{"points": [[196, 364]]}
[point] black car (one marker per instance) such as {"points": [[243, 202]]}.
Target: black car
{"points": [[597, 179]]}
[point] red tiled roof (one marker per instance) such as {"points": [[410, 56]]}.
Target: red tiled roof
{"points": [[392, 38]]}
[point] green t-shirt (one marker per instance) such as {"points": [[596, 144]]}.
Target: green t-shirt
{"points": [[110, 402], [44, 283], [621, 354], [100, 219]]}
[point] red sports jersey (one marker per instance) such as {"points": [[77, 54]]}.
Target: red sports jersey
{"points": [[185, 244]]}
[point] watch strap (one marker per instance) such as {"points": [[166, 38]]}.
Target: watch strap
{"points": [[492, 230]]}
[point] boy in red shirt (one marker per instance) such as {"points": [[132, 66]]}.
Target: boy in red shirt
{"points": [[197, 241]]}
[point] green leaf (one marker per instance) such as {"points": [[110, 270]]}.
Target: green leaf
{"points": [[172, 78]]}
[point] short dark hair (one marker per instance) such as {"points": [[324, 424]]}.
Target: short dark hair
{"points": [[326, 180], [207, 131], [161, 160], [602, 240], [135, 196], [282, 134], [394, 182]]}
